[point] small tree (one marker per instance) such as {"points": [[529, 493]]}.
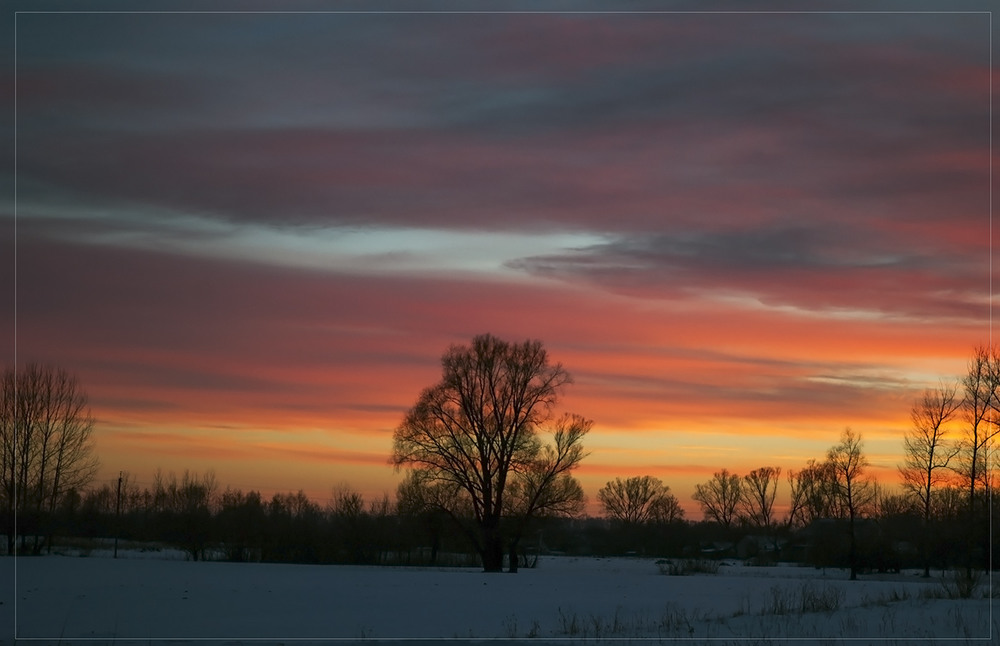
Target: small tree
{"points": [[293, 525], [352, 537], [927, 453], [418, 501], [240, 521], [546, 486], [853, 488], [981, 407], [475, 436], [760, 487], [188, 506], [637, 500], [720, 497], [813, 494], [666, 508]]}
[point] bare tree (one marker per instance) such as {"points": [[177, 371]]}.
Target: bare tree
{"points": [[981, 406], [476, 435], [638, 500], [720, 497], [927, 453], [240, 523], [760, 487], [812, 494], [353, 540], [8, 456], [546, 487], [426, 503], [888, 504], [854, 489], [346, 502], [46, 441], [948, 505], [189, 504], [666, 508]]}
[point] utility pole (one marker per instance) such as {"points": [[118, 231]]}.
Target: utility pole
{"points": [[118, 513]]}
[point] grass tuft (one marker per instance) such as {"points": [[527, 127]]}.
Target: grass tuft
{"points": [[684, 567]]}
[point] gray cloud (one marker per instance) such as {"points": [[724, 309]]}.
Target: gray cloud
{"points": [[817, 266], [467, 120]]}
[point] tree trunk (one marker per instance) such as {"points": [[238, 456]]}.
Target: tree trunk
{"points": [[926, 538], [853, 553], [434, 526], [925, 547], [11, 537], [492, 550], [493, 559], [512, 557], [971, 541]]}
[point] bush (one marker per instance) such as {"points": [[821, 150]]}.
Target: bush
{"points": [[961, 584], [826, 600]]}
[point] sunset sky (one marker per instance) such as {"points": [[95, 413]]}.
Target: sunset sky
{"points": [[252, 235]]}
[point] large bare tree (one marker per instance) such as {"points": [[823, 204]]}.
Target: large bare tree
{"points": [[474, 437], [720, 497], [47, 447], [853, 487], [927, 452]]}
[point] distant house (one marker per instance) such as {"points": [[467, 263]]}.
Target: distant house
{"points": [[718, 549], [762, 547], [826, 543]]}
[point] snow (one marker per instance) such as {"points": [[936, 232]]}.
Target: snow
{"points": [[65, 598]]}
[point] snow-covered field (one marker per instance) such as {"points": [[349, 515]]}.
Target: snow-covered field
{"points": [[70, 599]]}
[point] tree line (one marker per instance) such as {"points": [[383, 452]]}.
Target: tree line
{"points": [[194, 513], [946, 473], [191, 513], [489, 466]]}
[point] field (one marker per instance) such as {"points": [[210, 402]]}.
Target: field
{"points": [[147, 596]]}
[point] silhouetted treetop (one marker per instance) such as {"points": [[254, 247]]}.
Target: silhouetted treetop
{"points": [[474, 438]]}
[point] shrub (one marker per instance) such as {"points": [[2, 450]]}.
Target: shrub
{"points": [[961, 584], [815, 600]]}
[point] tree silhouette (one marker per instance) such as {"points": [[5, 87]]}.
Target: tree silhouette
{"points": [[417, 500], [981, 407], [474, 437], [293, 529], [760, 487], [927, 454], [854, 489], [187, 507], [720, 497], [637, 500], [46, 447], [813, 494], [240, 521]]}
